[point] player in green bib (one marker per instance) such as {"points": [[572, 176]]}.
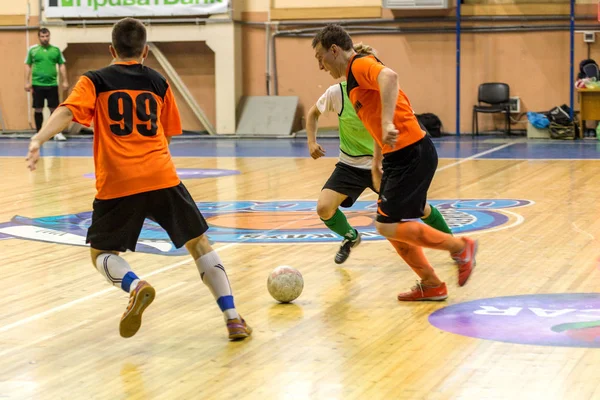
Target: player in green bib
{"points": [[41, 76], [352, 174]]}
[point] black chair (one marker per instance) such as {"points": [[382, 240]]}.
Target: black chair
{"points": [[497, 95]]}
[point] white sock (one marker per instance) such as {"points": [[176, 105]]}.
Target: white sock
{"points": [[117, 271], [214, 276]]}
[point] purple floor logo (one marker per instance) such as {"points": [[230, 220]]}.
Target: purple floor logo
{"points": [[194, 173], [570, 320]]}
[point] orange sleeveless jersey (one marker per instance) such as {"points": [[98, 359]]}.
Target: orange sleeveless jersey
{"points": [[133, 111], [363, 91]]}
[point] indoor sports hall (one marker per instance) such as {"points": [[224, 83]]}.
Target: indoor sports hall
{"points": [[515, 92]]}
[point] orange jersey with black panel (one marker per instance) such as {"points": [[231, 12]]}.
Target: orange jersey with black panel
{"points": [[363, 91], [133, 110]]}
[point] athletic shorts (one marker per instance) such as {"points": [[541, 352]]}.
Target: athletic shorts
{"points": [[42, 93], [350, 181], [117, 223], [407, 175]]}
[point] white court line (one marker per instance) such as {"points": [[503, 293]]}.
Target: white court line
{"points": [[101, 292], [73, 327], [474, 156], [43, 338], [519, 220], [82, 299], [462, 160], [170, 288]]}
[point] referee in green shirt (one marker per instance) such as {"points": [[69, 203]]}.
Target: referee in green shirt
{"points": [[41, 76]]}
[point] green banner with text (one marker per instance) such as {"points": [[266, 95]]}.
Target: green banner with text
{"points": [[133, 8]]}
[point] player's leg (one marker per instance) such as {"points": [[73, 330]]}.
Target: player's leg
{"points": [[430, 287], [343, 188], [431, 216], [38, 98], [215, 277], [462, 250], [328, 209], [434, 218], [403, 199], [116, 225], [175, 210], [400, 204]]}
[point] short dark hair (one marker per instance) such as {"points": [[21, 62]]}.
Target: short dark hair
{"points": [[43, 30], [129, 38], [332, 34]]}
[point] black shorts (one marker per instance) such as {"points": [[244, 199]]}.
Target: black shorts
{"points": [[407, 175], [42, 93], [350, 181], [117, 223]]}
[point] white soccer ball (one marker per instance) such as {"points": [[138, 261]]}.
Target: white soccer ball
{"points": [[285, 283]]}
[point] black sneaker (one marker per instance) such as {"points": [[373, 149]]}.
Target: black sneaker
{"points": [[344, 251]]}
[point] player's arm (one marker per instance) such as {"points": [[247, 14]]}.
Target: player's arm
{"points": [[62, 68], [376, 167], [63, 76], [312, 122], [79, 107], [330, 101], [27, 77], [388, 89], [28, 62], [58, 121], [169, 118], [371, 74]]}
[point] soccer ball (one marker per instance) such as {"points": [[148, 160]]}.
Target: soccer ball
{"points": [[285, 284]]}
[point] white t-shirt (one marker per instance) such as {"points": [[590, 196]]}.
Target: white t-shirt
{"points": [[332, 100]]}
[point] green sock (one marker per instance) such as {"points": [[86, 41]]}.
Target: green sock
{"points": [[339, 224], [437, 221]]}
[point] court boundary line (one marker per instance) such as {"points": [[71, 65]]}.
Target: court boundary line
{"points": [[71, 303]]}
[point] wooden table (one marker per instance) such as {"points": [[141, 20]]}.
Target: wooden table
{"points": [[589, 107]]}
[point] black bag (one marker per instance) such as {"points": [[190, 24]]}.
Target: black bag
{"points": [[561, 124], [431, 123], [588, 69], [560, 115]]}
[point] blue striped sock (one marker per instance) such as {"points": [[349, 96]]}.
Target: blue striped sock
{"points": [[128, 279], [225, 303]]}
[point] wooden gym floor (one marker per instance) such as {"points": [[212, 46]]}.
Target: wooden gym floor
{"points": [[524, 327]]}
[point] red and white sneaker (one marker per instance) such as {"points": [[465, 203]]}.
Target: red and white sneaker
{"points": [[466, 260], [419, 292]]}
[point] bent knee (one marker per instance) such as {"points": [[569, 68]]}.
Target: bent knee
{"points": [[326, 210], [199, 246], [385, 230]]}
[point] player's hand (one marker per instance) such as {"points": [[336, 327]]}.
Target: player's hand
{"points": [[33, 155], [28, 87], [390, 134], [64, 85], [316, 151]]}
